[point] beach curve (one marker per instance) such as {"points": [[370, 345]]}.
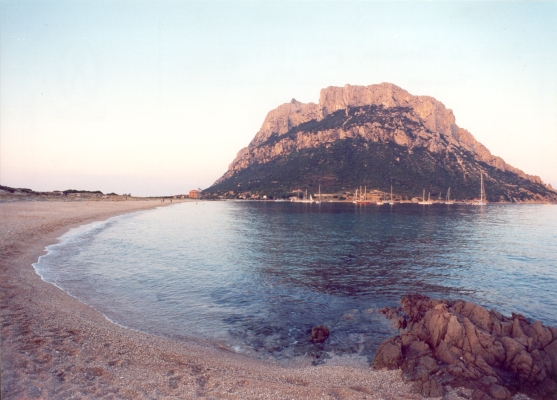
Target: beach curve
{"points": [[54, 346]]}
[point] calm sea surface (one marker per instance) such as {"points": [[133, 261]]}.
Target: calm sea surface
{"points": [[256, 276]]}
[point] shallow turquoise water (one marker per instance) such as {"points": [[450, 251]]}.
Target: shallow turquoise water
{"points": [[256, 276]]}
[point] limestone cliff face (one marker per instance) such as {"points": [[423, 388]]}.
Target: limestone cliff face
{"points": [[377, 113], [282, 119]]}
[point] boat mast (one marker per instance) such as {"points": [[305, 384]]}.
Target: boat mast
{"points": [[482, 187]]}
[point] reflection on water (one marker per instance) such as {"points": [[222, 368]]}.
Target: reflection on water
{"points": [[257, 276]]}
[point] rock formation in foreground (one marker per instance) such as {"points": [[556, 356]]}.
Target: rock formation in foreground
{"points": [[374, 136], [458, 343]]}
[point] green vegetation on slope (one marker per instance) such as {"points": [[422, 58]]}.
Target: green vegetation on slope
{"points": [[347, 164]]}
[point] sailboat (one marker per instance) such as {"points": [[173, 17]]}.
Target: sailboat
{"points": [[424, 201], [482, 192], [381, 202], [319, 200], [363, 198], [449, 201], [307, 199], [391, 202]]}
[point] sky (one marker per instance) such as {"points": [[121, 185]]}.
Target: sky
{"points": [[157, 97]]}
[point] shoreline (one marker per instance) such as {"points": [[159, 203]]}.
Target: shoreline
{"points": [[456, 203], [54, 346]]}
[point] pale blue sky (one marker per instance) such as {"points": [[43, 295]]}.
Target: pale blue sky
{"points": [[157, 97]]}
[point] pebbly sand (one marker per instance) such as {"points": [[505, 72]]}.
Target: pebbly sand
{"points": [[53, 346]]}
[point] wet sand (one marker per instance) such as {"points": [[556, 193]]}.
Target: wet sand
{"points": [[55, 347]]}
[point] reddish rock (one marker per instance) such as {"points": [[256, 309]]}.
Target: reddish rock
{"points": [[551, 351], [499, 392], [480, 395], [553, 331], [461, 343], [319, 334], [543, 334], [431, 388], [417, 349], [429, 363], [389, 355]]}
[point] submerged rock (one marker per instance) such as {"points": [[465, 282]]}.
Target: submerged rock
{"points": [[461, 343], [319, 334]]}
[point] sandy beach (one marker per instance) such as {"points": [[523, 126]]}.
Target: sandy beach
{"points": [[54, 346]]}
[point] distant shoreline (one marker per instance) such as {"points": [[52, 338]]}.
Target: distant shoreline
{"points": [[458, 203]]}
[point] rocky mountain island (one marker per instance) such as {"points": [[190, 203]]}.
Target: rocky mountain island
{"points": [[375, 136]]}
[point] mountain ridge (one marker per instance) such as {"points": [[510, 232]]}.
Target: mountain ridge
{"points": [[378, 114]]}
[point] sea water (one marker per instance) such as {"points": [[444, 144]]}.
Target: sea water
{"points": [[257, 276]]}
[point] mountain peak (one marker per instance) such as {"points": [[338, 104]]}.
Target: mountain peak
{"points": [[382, 114]]}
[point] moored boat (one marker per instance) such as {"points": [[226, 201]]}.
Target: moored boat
{"points": [[391, 202], [449, 201], [481, 202], [424, 201], [363, 198]]}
